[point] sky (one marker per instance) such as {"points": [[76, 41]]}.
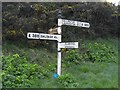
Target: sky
{"points": [[114, 1]]}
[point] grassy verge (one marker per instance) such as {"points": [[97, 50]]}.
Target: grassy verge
{"points": [[84, 74], [95, 75]]}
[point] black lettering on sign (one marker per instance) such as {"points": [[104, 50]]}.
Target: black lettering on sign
{"points": [[82, 24], [32, 35], [55, 37], [29, 35], [37, 36], [51, 36], [42, 36], [69, 46], [86, 24], [70, 43], [69, 22], [47, 36], [79, 24]]}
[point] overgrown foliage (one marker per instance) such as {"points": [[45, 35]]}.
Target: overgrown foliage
{"points": [[17, 72], [98, 52], [94, 52], [72, 56]]}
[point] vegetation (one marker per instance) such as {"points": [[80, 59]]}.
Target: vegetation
{"points": [[32, 63], [20, 18], [18, 73], [26, 70]]}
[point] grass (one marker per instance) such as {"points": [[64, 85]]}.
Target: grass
{"points": [[35, 55], [95, 75], [86, 74]]}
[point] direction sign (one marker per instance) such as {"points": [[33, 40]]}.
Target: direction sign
{"points": [[72, 23], [68, 45], [50, 37], [31, 35]]}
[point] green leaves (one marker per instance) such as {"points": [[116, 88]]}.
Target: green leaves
{"points": [[94, 52], [17, 72], [72, 56], [67, 80], [98, 52]]}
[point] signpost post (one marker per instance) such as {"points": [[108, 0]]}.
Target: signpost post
{"points": [[59, 49], [31, 35]]}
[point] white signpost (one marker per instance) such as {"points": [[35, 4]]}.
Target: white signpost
{"points": [[31, 35], [73, 23], [68, 45], [50, 37]]}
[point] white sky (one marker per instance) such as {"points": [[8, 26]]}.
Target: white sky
{"points": [[113, 1]]}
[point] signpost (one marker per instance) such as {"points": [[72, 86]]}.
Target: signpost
{"points": [[68, 45], [58, 36], [31, 35], [73, 23], [50, 37]]}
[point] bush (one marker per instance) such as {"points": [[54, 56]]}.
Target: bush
{"points": [[94, 52], [17, 72], [72, 56], [98, 52]]}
